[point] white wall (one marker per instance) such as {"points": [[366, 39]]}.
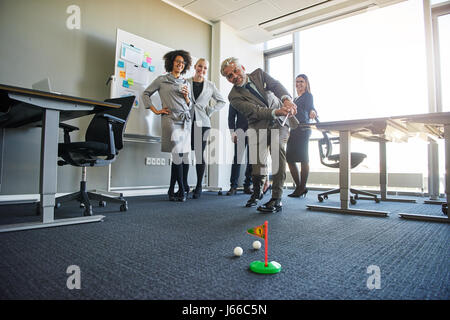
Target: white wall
{"points": [[226, 43]]}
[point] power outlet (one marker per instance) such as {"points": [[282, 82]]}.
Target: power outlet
{"points": [[149, 161]]}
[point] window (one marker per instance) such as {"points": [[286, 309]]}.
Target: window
{"points": [[278, 42], [444, 53], [368, 65], [281, 68]]}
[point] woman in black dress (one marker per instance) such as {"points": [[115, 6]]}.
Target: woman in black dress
{"points": [[298, 143]]}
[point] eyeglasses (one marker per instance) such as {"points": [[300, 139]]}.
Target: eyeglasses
{"points": [[179, 62], [230, 75]]}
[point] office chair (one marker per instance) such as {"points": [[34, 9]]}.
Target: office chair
{"points": [[327, 158], [103, 140]]}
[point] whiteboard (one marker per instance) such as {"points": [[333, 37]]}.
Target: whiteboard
{"points": [[138, 62]]}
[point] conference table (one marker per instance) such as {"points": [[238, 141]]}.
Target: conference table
{"points": [[382, 130], [21, 107]]}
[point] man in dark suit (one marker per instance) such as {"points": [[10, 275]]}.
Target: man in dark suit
{"points": [[269, 110], [238, 125]]}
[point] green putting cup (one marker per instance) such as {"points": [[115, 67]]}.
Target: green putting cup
{"points": [[259, 267]]}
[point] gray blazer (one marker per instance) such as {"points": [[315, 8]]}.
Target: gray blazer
{"points": [[259, 114], [203, 106], [176, 126]]}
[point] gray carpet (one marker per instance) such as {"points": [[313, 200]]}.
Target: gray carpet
{"points": [[170, 250]]}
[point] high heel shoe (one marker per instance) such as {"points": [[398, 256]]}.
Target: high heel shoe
{"points": [[298, 194], [197, 193], [181, 196], [268, 189], [171, 195]]}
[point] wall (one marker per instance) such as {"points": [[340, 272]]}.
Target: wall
{"points": [[37, 44]]}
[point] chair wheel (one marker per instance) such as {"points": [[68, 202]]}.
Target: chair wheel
{"points": [[325, 197], [377, 200], [219, 193], [352, 200], [124, 207], [356, 197], [320, 198], [88, 211], [102, 203], [445, 209]]}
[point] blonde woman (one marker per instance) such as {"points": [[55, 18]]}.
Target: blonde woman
{"points": [[206, 100]]}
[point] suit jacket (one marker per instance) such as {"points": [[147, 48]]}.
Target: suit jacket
{"points": [[236, 120], [203, 106], [259, 114]]}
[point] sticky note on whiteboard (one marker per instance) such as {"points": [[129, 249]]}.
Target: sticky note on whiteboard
{"points": [[144, 64], [151, 68], [149, 60], [125, 83], [120, 64], [122, 74]]}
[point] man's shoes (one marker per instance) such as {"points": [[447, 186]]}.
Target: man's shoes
{"points": [[253, 201], [247, 190], [274, 205], [232, 191]]}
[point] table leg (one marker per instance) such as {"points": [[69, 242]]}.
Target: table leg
{"points": [[447, 184], [49, 157], [345, 182], [344, 168]]}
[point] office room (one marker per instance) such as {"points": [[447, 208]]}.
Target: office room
{"points": [[105, 206]]}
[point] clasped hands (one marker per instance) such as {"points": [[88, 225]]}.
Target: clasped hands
{"points": [[288, 109]]}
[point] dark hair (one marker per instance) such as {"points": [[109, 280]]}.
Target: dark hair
{"points": [[169, 58], [305, 77]]}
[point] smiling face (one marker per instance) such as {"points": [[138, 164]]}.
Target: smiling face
{"points": [[200, 68], [300, 85], [178, 64], [235, 74]]}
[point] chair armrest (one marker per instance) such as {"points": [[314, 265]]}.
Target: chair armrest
{"points": [[111, 118], [67, 129]]}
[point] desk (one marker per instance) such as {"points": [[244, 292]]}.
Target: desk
{"points": [[27, 107], [382, 130]]}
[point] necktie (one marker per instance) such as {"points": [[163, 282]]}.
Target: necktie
{"points": [[255, 93]]}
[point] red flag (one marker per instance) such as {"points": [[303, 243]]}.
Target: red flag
{"points": [[259, 231]]}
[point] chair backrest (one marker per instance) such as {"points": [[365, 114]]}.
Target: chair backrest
{"points": [[327, 158], [326, 150], [98, 127]]}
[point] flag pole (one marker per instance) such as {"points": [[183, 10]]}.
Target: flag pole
{"points": [[266, 224]]}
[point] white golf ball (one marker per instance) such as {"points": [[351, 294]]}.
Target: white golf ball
{"points": [[238, 251], [256, 245]]}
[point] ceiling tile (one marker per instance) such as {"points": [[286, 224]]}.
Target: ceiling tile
{"points": [[251, 15], [208, 9], [180, 3], [287, 6]]}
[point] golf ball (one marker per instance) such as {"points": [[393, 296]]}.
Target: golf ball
{"points": [[256, 244], [238, 251]]}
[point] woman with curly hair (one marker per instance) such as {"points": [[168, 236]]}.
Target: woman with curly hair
{"points": [[176, 123]]}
